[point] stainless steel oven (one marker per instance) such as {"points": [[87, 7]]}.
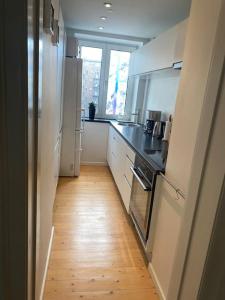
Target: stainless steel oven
{"points": [[142, 196]]}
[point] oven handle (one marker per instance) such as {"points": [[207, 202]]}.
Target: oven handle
{"points": [[146, 188]]}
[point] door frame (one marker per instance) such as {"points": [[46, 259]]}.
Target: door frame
{"points": [[17, 153]]}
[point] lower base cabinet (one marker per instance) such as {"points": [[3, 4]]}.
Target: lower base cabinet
{"points": [[126, 193], [57, 152], [120, 158]]}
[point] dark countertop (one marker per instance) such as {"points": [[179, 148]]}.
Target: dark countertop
{"points": [[98, 120], [151, 149]]}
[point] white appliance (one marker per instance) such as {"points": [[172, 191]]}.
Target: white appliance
{"points": [[73, 123], [71, 47]]}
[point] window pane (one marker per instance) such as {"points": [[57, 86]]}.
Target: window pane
{"points": [[117, 82], [92, 58]]}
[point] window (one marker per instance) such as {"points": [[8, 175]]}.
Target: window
{"points": [[117, 82], [92, 59], [105, 76]]}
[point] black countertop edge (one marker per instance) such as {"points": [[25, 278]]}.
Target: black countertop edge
{"points": [[149, 161], [99, 120]]}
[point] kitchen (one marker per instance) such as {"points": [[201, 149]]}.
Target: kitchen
{"points": [[140, 146], [127, 104]]}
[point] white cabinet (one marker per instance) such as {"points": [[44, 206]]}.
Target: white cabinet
{"points": [[109, 151], [94, 144], [180, 41], [57, 151], [120, 158], [71, 47], [161, 52], [126, 192], [165, 228], [127, 172], [130, 154]]}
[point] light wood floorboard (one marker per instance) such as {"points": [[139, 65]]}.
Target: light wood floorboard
{"points": [[95, 255]]}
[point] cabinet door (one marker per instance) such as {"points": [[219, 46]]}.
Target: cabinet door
{"points": [[57, 161], [180, 41], [119, 150], [120, 168], [161, 52], [125, 192], [113, 166], [130, 154], [155, 55], [109, 151], [164, 232], [128, 173], [120, 158]]}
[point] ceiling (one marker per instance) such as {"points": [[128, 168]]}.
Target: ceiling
{"points": [[135, 18]]}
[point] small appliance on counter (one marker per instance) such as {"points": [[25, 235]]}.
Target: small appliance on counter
{"points": [[152, 116], [159, 129], [168, 128], [164, 153]]}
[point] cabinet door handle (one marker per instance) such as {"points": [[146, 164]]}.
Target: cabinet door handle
{"points": [[127, 180], [129, 158]]}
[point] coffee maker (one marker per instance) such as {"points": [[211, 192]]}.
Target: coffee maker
{"points": [[151, 117]]}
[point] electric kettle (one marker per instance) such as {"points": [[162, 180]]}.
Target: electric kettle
{"points": [[158, 129]]}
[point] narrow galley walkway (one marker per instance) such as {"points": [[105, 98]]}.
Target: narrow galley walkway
{"points": [[95, 255]]}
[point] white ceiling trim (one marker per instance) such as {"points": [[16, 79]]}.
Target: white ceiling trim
{"points": [[106, 37]]}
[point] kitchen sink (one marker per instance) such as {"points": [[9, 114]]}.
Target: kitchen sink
{"points": [[130, 124], [147, 151]]}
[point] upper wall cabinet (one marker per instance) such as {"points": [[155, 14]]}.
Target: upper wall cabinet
{"points": [[181, 30], [160, 53]]}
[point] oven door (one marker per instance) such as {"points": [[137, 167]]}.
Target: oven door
{"points": [[141, 200]]}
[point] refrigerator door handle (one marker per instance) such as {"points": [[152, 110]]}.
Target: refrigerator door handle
{"points": [[82, 119], [79, 130]]}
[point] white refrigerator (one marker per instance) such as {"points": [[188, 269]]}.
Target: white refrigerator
{"points": [[73, 122]]}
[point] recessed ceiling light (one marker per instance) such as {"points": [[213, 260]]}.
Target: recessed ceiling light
{"points": [[108, 4], [103, 18], [100, 28]]}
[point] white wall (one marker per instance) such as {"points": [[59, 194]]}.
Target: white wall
{"points": [[95, 143], [162, 93], [49, 143]]}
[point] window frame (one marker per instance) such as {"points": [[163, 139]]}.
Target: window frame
{"points": [[104, 75]]}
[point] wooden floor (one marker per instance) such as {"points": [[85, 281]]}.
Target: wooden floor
{"points": [[95, 255]]}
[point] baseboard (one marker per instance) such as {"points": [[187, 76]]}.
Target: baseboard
{"points": [[156, 282], [91, 163], [46, 265]]}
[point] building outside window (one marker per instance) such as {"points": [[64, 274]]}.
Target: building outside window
{"points": [[117, 82]]}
